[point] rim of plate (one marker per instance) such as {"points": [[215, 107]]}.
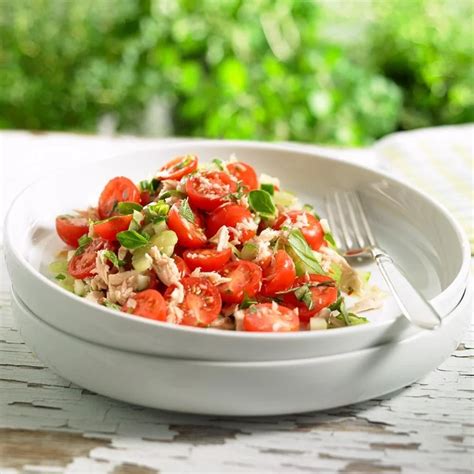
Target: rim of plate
{"points": [[460, 279], [467, 293]]}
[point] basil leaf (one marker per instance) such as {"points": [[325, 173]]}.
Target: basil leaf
{"points": [[127, 207], [109, 255], [83, 242], [269, 188], [219, 163], [303, 293], [310, 208], [60, 276], [247, 302], [131, 239], [301, 251], [262, 203], [328, 237], [150, 186], [172, 193], [352, 319], [186, 212]]}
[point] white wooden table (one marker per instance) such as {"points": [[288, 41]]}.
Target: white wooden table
{"points": [[49, 425]]}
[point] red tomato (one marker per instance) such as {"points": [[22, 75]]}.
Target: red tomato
{"points": [[202, 302], [81, 266], [312, 230], [190, 234], [117, 190], [209, 260], [244, 173], [246, 279], [265, 317], [71, 228], [207, 190], [150, 304], [154, 283], [229, 215], [182, 266], [279, 275], [322, 296], [109, 228], [145, 198], [178, 167]]}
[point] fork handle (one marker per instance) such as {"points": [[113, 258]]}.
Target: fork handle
{"points": [[413, 305]]}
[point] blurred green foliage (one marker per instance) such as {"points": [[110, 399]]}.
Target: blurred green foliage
{"points": [[259, 69]]}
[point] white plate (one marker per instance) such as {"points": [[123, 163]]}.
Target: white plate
{"points": [[242, 388], [419, 233]]}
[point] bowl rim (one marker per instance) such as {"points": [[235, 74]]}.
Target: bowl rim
{"points": [[459, 280], [466, 295]]}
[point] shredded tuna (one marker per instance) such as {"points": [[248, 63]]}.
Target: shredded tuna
{"points": [[267, 179], [221, 238], [95, 297], [350, 282], [223, 322], [239, 320], [371, 298], [165, 267], [214, 277]]}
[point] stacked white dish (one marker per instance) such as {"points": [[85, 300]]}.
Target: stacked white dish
{"points": [[233, 373]]}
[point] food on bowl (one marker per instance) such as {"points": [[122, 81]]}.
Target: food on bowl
{"points": [[212, 246]]}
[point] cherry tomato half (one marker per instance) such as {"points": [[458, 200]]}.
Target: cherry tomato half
{"points": [[182, 266], [269, 317], [81, 266], [109, 228], [230, 215], [178, 167], [190, 234], [149, 304], [245, 279], [208, 190], [71, 228], [244, 173], [209, 260], [309, 225], [279, 275], [117, 190], [202, 302], [322, 296]]}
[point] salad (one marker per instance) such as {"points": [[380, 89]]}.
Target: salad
{"points": [[212, 246]]}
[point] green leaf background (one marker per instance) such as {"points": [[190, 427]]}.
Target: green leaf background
{"points": [[314, 71]]}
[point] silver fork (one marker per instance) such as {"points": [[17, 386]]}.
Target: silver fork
{"points": [[355, 239]]}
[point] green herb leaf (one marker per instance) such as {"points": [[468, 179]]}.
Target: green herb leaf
{"points": [[301, 252], [219, 163], [131, 239], [335, 272], [150, 186], [303, 293], [310, 208], [112, 305], [186, 212], [352, 319], [172, 193], [156, 212], [128, 207], [269, 188], [60, 276], [328, 237], [83, 242], [247, 302], [109, 255], [262, 203]]}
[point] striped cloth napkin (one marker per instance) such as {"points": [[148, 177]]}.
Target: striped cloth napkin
{"points": [[438, 161]]}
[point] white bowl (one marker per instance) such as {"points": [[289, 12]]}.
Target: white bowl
{"points": [[242, 388], [419, 233]]}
